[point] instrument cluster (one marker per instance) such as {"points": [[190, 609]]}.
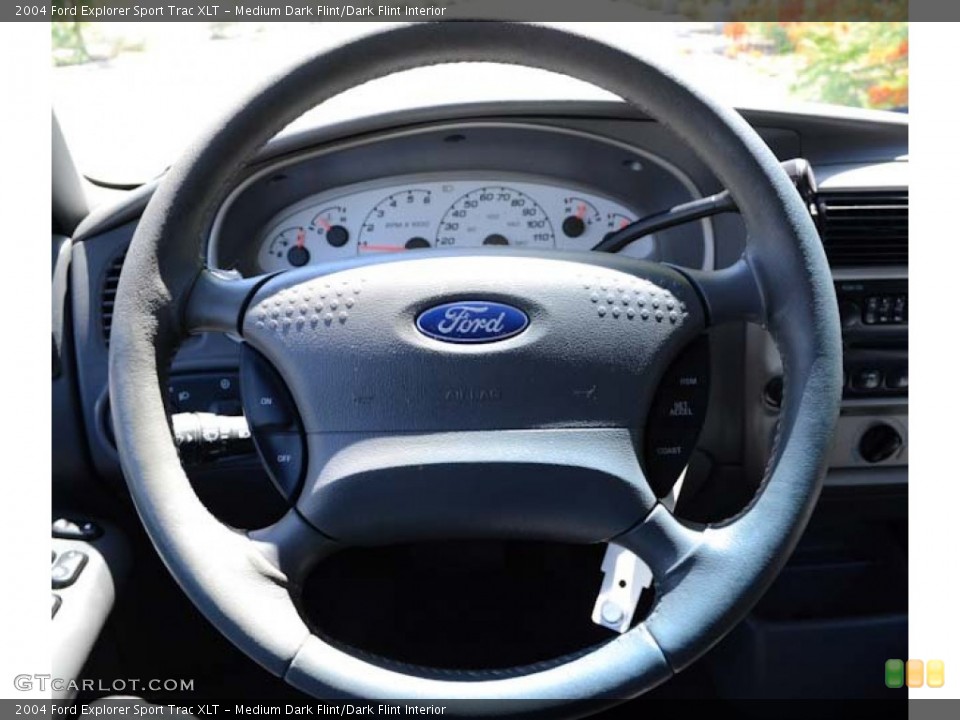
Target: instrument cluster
{"points": [[422, 212]]}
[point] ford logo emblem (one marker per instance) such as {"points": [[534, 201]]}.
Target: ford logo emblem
{"points": [[472, 321]]}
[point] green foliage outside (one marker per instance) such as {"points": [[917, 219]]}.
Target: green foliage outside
{"points": [[75, 43], [852, 64], [69, 44], [856, 64]]}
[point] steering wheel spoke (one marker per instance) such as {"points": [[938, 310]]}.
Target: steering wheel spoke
{"points": [[293, 546], [729, 295], [570, 485], [217, 301], [663, 542]]}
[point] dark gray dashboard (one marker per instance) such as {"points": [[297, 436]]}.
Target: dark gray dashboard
{"points": [[605, 148]]}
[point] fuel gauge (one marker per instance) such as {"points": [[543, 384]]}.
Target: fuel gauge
{"points": [[644, 249], [617, 221], [291, 244], [579, 216]]}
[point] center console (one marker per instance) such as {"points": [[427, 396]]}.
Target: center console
{"points": [[872, 432]]}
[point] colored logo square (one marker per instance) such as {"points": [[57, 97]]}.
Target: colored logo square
{"points": [[935, 674], [914, 673], [893, 673]]}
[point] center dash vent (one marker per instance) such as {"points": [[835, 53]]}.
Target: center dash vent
{"points": [[864, 229], [108, 294]]}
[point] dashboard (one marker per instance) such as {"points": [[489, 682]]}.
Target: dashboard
{"points": [[555, 177], [542, 177], [467, 185], [420, 212]]}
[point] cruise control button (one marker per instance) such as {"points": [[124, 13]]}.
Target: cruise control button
{"points": [[666, 457], [265, 399], [867, 380], [685, 408], [67, 568], [283, 455]]}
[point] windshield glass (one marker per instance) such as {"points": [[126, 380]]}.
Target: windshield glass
{"points": [[131, 96]]}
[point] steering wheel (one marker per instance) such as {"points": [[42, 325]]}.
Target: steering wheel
{"points": [[400, 444]]}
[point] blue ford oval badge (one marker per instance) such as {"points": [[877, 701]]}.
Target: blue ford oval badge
{"points": [[472, 321]]}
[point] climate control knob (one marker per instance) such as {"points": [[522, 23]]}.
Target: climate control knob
{"points": [[881, 442]]}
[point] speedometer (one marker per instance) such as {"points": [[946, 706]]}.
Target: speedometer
{"points": [[495, 215]]}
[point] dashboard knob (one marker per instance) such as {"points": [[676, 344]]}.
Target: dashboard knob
{"points": [[880, 442]]}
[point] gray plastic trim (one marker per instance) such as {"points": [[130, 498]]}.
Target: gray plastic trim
{"points": [[87, 603]]}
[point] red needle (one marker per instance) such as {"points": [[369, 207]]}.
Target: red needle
{"points": [[383, 248], [581, 210], [301, 237], [323, 223]]}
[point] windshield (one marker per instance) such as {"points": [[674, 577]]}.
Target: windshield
{"points": [[131, 96]]}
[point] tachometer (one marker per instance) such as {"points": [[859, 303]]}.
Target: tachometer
{"points": [[495, 215], [398, 222]]}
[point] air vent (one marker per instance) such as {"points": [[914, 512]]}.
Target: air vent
{"points": [[864, 229], [108, 294]]}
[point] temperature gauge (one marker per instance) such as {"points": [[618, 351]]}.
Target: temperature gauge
{"points": [[331, 225]]}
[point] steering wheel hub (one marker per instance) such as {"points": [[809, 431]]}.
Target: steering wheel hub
{"points": [[349, 346]]}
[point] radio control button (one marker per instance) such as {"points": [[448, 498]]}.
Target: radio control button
{"points": [[897, 379], [867, 380], [850, 314], [900, 309]]}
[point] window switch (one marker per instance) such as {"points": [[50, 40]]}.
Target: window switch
{"points": [[67, 568]]}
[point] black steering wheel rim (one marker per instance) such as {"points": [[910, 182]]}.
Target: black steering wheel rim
{"points": [[707, 577]]}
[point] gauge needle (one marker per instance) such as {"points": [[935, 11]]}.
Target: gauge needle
{"points": [[301, 237], [383, 248], [324, 224], [581, 211]]}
